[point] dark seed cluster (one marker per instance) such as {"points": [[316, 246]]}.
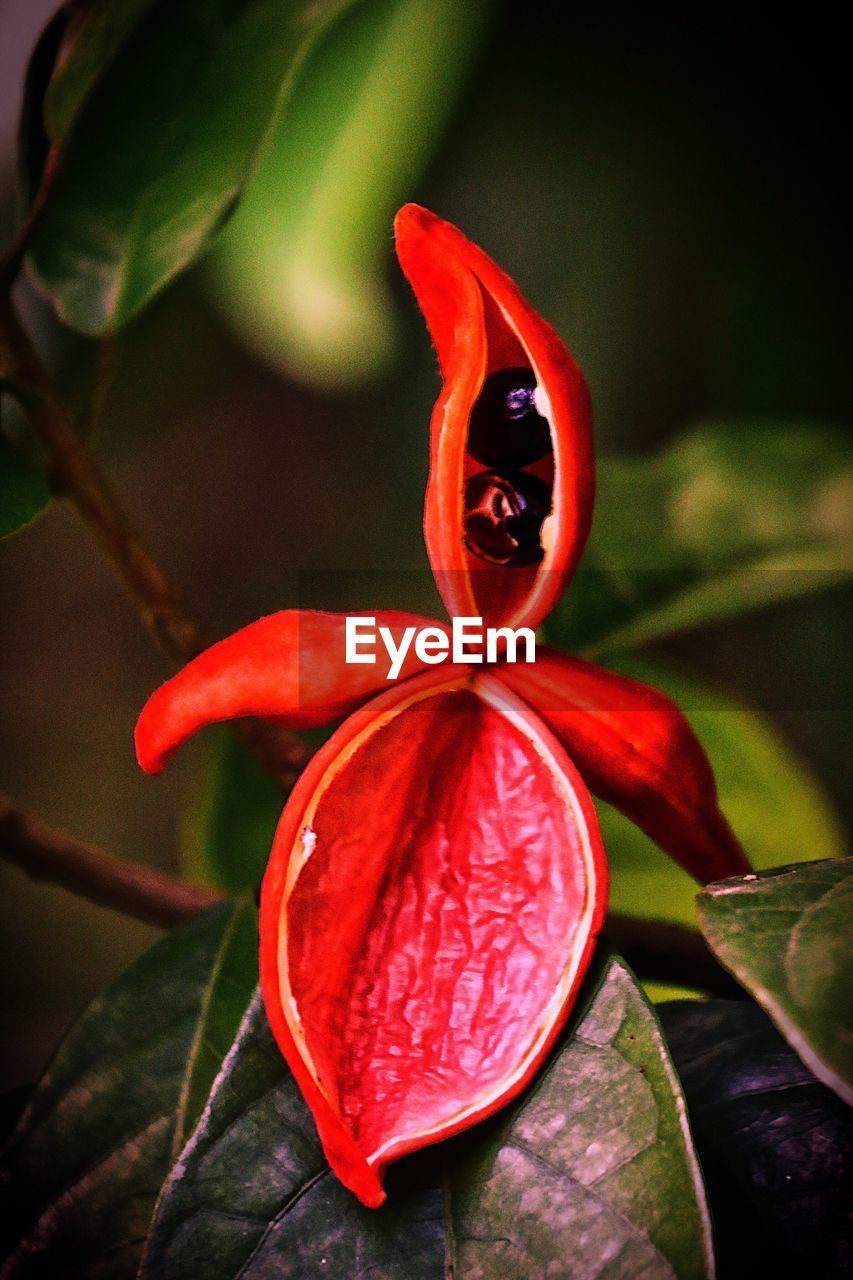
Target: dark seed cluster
{"points": [[504, 515], [505, 507]]}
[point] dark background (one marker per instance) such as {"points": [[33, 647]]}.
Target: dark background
{"points": [[670, 194]]}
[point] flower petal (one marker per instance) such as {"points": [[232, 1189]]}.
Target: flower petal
{"points": [[635, 749], [483, 327], [430, 906], [289, 667]]}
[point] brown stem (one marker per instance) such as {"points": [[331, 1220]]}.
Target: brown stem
{"points": [[660, 951], [46, 853], [10, 263], [78, 475]]}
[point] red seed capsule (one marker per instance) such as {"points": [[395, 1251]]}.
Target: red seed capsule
{"points": [[483, 327]]}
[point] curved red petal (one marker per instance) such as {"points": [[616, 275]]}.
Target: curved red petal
{"points": [[430, 906], [480, 323], [289, 666], [635, 749]]}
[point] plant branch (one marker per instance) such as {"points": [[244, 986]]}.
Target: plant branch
{"points": [[10, 263], [76, 473], [657, 950], [45, 853]]}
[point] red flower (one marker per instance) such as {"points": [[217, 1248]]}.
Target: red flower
{"points": [[437, 880]]}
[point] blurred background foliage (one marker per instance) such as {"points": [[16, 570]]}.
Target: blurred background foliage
{"points": [[668, 195]]}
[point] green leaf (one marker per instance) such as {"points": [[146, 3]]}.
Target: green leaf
{"points": [[301, 272], [776, 1146], [786, 936], [775, 805], [596, 1168], [223, 1002], [33, 141], [162, 147], [82, 1169], [92, 43], [725, 520], [592, 1171], [24, 492], [228, 829]]}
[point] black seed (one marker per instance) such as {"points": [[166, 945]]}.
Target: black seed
{"points": [[505, 428], [504, 515]]}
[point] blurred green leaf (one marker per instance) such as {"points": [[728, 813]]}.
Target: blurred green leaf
{"points": [[301, 272], [776, 1146], [96, 35], [162, 148], [24, 492], [725, 520], [228, 827], [33, 141], [594, 1168], [82, 1169], [228, 830], [774, 803], [786, 935]]}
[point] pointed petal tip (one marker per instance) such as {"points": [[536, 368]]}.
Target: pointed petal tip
{"points": [[415, 228], [414, 217], [149, 755], [369, 1189]]}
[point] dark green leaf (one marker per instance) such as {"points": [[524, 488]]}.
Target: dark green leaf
{"points": [[98, 33], [252, 1189], [723, 521], [33, 142], [24, 492], [162, 147], [81, 1172], [776, 1146], [786, 936], [223, 1003], [596, 1169], [776, 806], [301, 271], [228, 832], [592, 1172]]}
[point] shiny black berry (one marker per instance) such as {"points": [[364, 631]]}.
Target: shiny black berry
{"points": [[505, 429]]}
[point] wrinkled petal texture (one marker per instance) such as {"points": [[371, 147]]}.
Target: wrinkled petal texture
{"points": [[288, 667], [422, 936], [480, 324], [635, 749]]}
